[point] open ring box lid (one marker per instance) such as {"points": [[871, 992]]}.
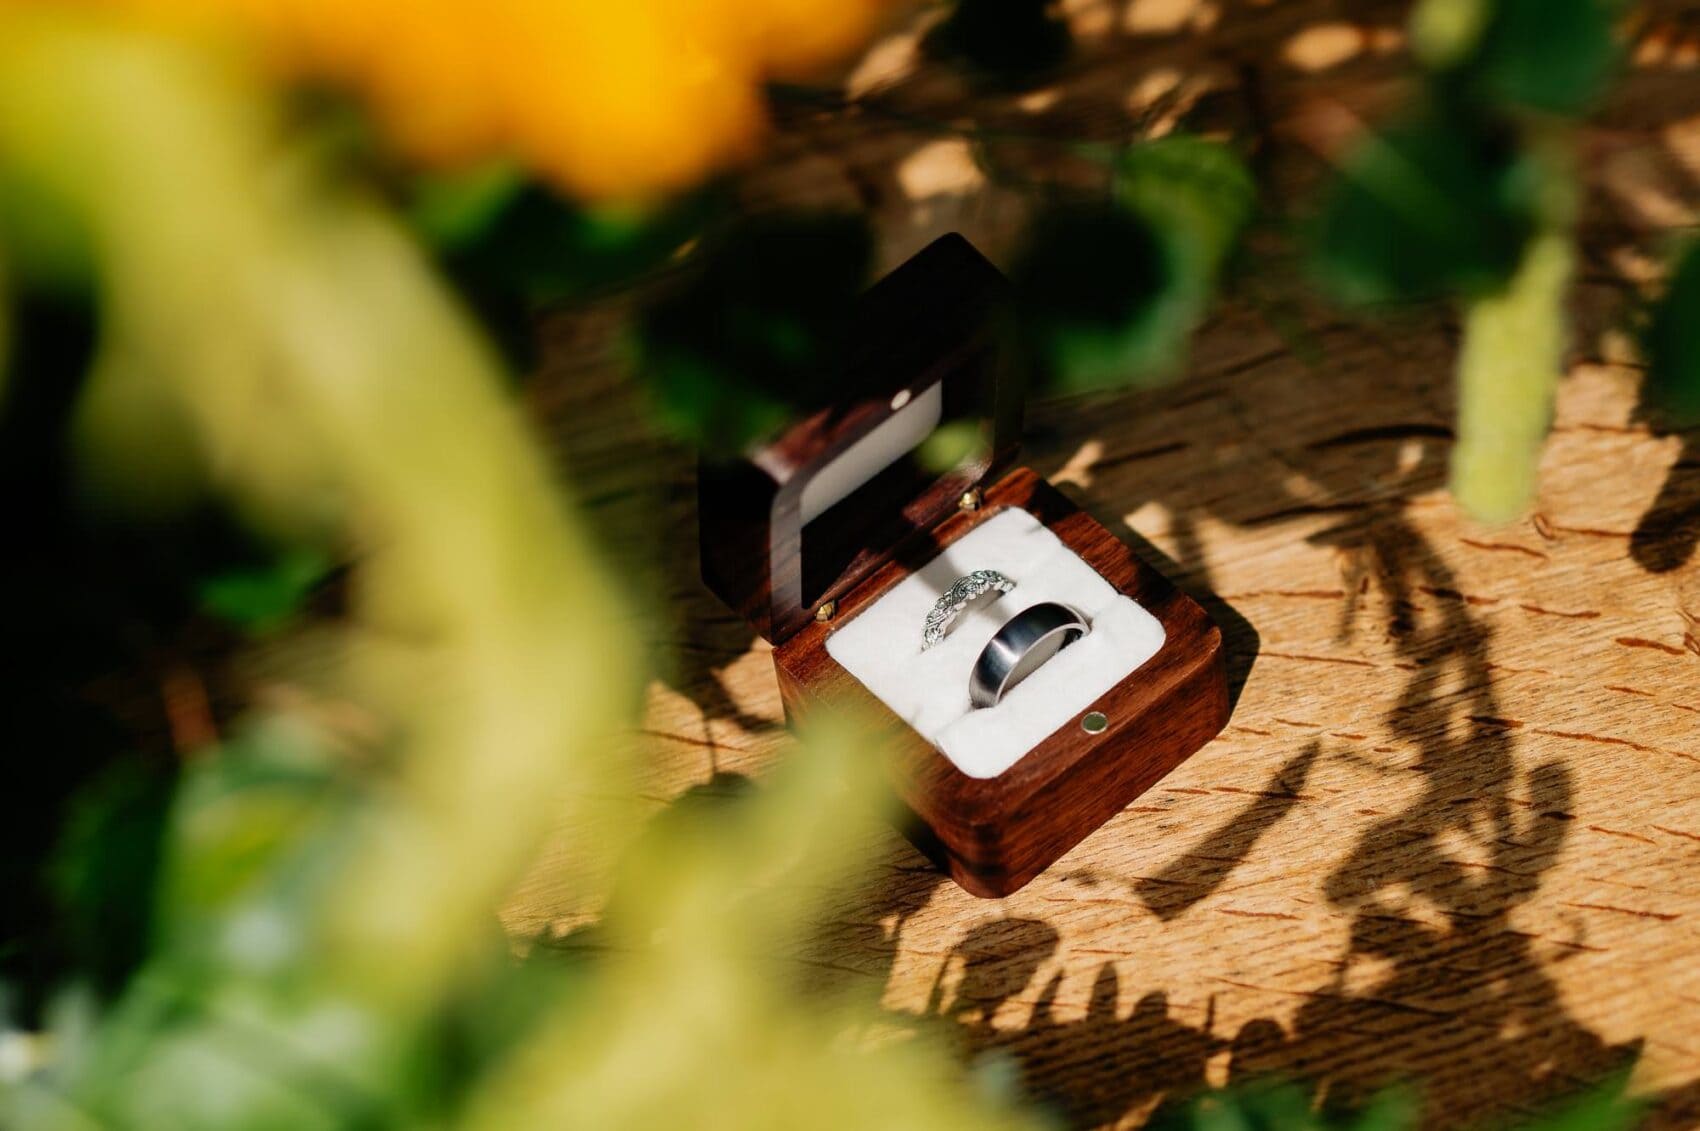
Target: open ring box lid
{"points": [[837, 529]]}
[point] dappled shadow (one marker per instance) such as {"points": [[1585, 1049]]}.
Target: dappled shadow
{"points": [[1201, 870], [642, 512], [1434, 985], [1442, 996], [1665, 537], [1432, 981], [1098, 1067], [695, 813]]}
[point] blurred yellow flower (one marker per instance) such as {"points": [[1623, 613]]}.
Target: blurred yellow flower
{"points": [[604, 98]]}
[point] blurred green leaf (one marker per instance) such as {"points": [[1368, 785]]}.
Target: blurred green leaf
{"points": [[749, 337], [44, 242], [549, 249], [1604, 1107], [1444, 33], [1554, 56], [1672, 342], [246, 829], [1109, 294], [1087, 286], [1007, 43], [453, 211], [104, 870], [1277, 1105], [263, 597], [510, 244], [1509, 363], [1430, 208], [1198, 194], [1391, 1109], [497, 230]]}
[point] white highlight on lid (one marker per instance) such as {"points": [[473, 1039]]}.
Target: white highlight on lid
{"points": [[890, 441]]}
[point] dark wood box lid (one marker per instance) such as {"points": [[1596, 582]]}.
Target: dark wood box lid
{"points": [[799, 521]]}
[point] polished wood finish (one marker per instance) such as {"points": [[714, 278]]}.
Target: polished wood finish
{"points": [[995, 834], [932, 321]]}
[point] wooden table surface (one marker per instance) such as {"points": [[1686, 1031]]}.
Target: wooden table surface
{"points": [[1452, 831]]}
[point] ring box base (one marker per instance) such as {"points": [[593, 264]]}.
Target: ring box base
{"points": [[995, 834]]}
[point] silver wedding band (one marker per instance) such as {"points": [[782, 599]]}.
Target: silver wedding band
{"points": [[1025, 642], [963, 591]]}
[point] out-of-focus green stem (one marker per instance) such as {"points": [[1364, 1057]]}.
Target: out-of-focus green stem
{"points": [[306, 339], [1513, 354]]}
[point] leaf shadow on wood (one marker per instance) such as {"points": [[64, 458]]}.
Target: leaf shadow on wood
{"points": [[1434, 982], [1666, 535], [1202, 869], [642, 516], [1435, 985]]}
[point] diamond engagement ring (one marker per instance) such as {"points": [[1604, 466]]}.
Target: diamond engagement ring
{"points": [[962, 592]]}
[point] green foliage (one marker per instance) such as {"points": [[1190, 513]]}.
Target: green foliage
{"points": [[244, 1018], [510, 244], [238, 892], [1672, 342], [198, 1038], [1508, 365], [1271, 1105], [1087, 286], [1274, 1105], [1199, 195], [1605, 1106], [455, 211], [46, 243], [263, 597], [1005, 43], [1109, 293], [1444, 203], [497, 229], [103, 870], [1427, 209], [1474, 198], [748, 339], [1548, 56]]}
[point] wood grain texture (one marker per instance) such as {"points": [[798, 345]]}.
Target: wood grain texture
{"points": [[1452, 829], [994, 835]]}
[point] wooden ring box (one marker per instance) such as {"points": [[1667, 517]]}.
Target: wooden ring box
{"points": [[799, 538]]}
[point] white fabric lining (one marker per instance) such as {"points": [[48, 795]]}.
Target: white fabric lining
{"points": [[881, 646]]}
